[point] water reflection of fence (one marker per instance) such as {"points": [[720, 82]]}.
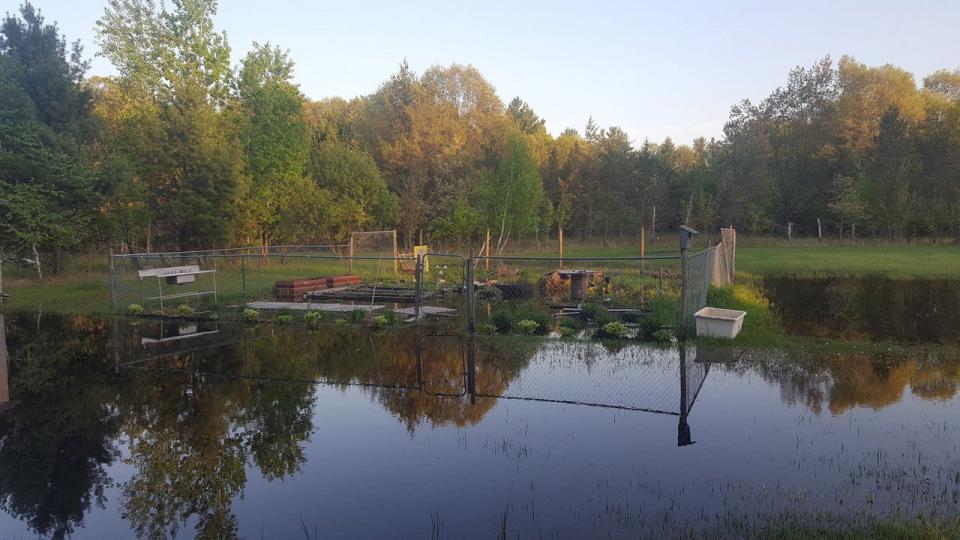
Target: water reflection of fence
{"points": [[634, 378], [657, 380]]}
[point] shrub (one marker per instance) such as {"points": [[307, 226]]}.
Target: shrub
{"points": [[186, 311], [591, 311], [647, 325], [503, 321], [249, 314], [136, 309], [381, 320], [567, 331], [662, 336], [570, 322], [528, 326], [356, 316], [312, 317], [486, 328], [285, 318], [541, 318], [613, 329], [489, 294]]}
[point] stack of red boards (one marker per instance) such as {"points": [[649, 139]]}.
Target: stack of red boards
{"points": [[343, 281], [296, 288]]}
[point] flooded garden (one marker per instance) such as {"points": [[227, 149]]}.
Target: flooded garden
{"points": [[121, 427]]}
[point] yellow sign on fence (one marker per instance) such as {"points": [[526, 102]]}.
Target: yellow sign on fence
{"points": [[422, 250]]}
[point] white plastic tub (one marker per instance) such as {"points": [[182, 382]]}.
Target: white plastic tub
{"points": [[721, 323]]}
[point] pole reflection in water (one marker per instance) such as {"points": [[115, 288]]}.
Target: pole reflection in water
{"points": [[683, 428], [5, 402]]}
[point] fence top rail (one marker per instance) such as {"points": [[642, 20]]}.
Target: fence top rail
{"points": [[225, 250], [273, 255], [705, 250], [565, 258]]}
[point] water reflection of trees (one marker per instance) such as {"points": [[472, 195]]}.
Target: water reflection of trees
{"points": [[840, 382], [873, 307], [193, 432], [195, 420], [55, 445]]}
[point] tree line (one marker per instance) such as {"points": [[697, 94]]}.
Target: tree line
{"points": [[182, 150]]}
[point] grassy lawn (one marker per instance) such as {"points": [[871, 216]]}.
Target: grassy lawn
{"points": [[896, 261], [83, 288]]}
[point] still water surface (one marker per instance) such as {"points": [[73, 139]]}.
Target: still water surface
{"points": [[872, 308], [128, 429]]}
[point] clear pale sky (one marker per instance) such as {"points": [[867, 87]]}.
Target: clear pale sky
{"points": [[656, 69]]}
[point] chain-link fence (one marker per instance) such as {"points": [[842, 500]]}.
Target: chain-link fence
{"points": [[713, 266], [509, 294], [550, 290]]}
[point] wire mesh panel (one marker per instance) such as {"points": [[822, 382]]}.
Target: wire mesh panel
{"points": [[525, 286], [699, 275], [374, 243], [636, 377], [442, 286]]}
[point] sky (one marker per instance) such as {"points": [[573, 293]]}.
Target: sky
{"points": [[655, 69]]}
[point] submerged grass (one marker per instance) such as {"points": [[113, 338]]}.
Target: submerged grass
{"points": [[762, 328], [830, 527]]}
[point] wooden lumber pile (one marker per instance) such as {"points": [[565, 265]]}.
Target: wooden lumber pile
{"points": [[343, 281], [296, 288]]}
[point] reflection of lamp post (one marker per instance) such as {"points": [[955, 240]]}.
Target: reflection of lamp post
{"points": [[683, 428]]}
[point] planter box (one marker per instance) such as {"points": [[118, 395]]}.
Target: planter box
{"points": [[721, 323]]}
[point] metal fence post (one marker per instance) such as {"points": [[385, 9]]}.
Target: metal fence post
{"points": [[685, 234], [243, 274], [112, 279], [471, 298], [418, 301], [684, 291]]}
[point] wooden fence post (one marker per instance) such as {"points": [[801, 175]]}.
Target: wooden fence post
{"points": [[112, 279], [643, 248], [396, 253], [560, 238], [351, 253], [486, 252]]}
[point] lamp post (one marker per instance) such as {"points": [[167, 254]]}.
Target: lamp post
{"points": [[685, 234]]}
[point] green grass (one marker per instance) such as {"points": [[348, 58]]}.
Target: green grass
{"points": [[895, 261], [832, 528], [82, 288]]}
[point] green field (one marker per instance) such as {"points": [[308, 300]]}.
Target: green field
{"points": [[82, 288], [895, 261]]}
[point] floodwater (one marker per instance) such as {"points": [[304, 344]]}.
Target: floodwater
{"points": [[873, 307], [128, 428]]}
